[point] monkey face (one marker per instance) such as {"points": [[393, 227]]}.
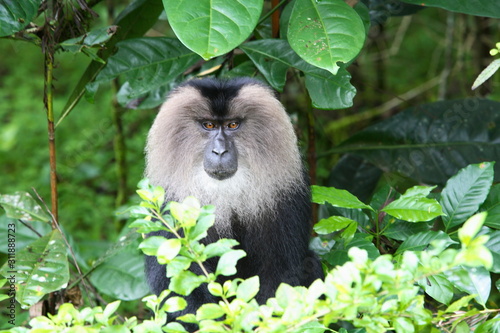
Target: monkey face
{"points": [[220, 159], [230, 143]]}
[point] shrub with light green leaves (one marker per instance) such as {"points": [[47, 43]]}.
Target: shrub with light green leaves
{"points": [[370, 291]]}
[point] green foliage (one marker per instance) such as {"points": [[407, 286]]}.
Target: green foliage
{"points": [[316, 33], [468, 270], [412, 142], [16, 15], [477, 7], [161, 60], [376, 294], [39, 269], [23, 206], [213, 28], [431, 243]]}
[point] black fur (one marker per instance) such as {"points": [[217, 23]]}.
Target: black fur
{"points": [[220, 92], [277, 251]]}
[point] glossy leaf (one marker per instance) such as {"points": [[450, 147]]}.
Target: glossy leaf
{"points": [[227, 262], [147, 63], [422, 240], [122, 276], [177, 265], [432, 142], [470, 228], [273, 58], [403, 325], [146, 226], [185, 282], [21, 205], [220, 247], [325, 32], [414, 209], [23, 235], [477, 7], [15, 15], [152, 99], [438, 287], [493, 244], [329, 91], [151, 244], [168, 250], [39, 269], [418, 191], [212, 28], [474, 281], [465, 192], [492, 206], [332, 224], [134, 21], [401, 230], [209, 311], [248, 289], [336, 197]]}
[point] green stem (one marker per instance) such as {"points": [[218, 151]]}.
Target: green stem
{"points": [[120, 149], [49, 106], [265, 17]]}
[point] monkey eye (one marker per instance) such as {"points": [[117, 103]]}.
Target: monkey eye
{"points": [[208, 125], [233, 125]]}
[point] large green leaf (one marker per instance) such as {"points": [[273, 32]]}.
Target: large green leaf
{"points": [[325, 32], [273, 57], [414, 208], [492, 206], [329, 91], [122, 276], [134, 21], [332, 224], [421, 241], [148, 63], [16, 14], [336, 197], [21, 205], [493, 244], [39, 269], [489, 8], [438, 287], [472, 280], [227, 262], [465, 192], [23, 235], [212, 28], [431, 142], [401, 230]]}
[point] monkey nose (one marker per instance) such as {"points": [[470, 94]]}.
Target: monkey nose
{"points": [[219, 151]]}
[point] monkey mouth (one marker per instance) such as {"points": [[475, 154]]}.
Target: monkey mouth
{"points": [[220, 174]]}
